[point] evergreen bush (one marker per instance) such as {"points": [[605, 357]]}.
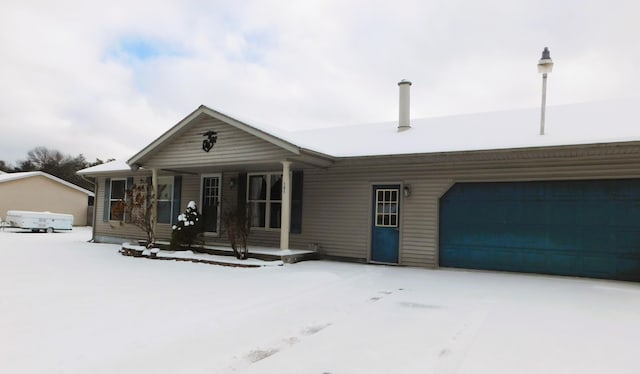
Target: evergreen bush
{"points": [[187, 230]]}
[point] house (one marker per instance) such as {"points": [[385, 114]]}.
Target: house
{"points": [[39, 191], [481, 191]]}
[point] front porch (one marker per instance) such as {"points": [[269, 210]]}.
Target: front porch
{"points": [[287, 256], [225, 167], [222, 165]]}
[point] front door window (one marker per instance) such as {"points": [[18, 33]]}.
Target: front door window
{"points": [[387, 207], [210, 207], [385, 234]]}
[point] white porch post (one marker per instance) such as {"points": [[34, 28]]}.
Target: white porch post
{"points": [[285, 219], [154, 201]]}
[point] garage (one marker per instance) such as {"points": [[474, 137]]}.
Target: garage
{"points": [[587, 228]]}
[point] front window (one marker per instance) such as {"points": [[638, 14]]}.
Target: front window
{"points": [[165, 199], [265, 200], [116, 199]]}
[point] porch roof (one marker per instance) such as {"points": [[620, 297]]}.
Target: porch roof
{"points": [[114, 166], [268, 134]]}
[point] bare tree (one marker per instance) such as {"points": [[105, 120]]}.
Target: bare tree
{"points": [[238, 226], [137, 208], [4, 166], [56, 163]]}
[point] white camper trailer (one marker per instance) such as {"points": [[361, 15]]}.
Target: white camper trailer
{"points": [[37, 221]]}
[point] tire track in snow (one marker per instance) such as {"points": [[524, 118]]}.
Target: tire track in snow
{"points": [[259, 354], [454, 351]]}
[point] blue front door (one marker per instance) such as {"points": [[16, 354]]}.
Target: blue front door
{"points": [[385, 232]]}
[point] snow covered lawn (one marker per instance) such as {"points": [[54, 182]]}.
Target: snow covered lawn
{"points": [[68, 306]]}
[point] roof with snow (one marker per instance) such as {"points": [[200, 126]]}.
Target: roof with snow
{"points": [[574, 124], [29, 174], [107, 167], [266, 133]]}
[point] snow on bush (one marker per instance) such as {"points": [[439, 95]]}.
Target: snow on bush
{"points": [[187, 229]]}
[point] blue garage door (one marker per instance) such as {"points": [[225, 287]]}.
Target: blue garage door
{"points": [[577, 228]]}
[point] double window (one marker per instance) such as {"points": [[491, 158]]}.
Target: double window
{"points": [[117, 195], [265, 199]]}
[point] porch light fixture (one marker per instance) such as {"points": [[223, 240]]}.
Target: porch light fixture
{"points": [[406, 190], [545, 66], [232, 183]]}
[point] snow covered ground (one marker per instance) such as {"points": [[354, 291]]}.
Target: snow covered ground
{"points": [[68, 306]]}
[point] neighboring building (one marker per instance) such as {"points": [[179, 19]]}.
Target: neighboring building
{"points": [[40, 192], [481, 191]]}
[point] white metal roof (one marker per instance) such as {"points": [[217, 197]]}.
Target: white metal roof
{"points": [[28, 174], [575, 124]]}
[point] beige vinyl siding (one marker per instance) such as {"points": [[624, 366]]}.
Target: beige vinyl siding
{"points": [[337, 200], [111, 230], [336, 212], [39, 193], [233, 146], [420, 221]]}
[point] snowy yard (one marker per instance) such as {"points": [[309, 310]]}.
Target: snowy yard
{"points": [[68, 306]]}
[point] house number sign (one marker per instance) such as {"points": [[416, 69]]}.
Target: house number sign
{"points": [[211, 139]]}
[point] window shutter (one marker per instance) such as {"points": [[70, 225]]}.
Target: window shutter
{"points": [[296, 201], [149, 189], [242, 189], [177, 191], [107, 198], [127, 196]]}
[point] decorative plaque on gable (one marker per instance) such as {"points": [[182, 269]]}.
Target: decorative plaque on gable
{"points": [[211, 139]]}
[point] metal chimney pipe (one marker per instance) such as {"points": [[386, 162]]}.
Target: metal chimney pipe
{"points": [[404, 117]]}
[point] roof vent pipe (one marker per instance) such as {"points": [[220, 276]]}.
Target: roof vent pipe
{"points": [[403, 122]]}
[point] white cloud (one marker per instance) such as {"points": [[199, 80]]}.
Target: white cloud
{"points": [[292, 64]]}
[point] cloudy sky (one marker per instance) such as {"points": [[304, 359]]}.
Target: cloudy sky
{"points": [[106, 78]]}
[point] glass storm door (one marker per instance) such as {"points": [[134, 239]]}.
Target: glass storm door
{"points": [[385, 228], [211, 203]]}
